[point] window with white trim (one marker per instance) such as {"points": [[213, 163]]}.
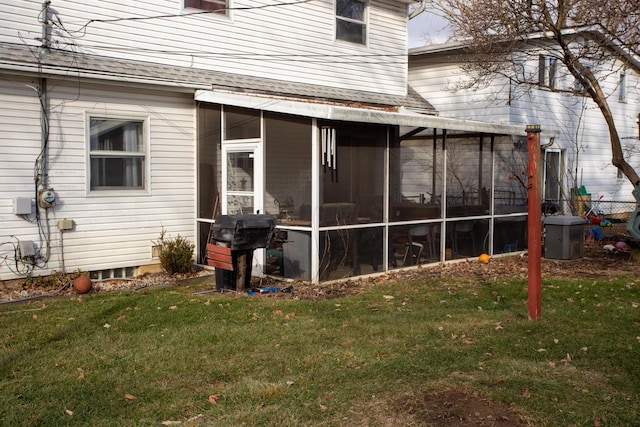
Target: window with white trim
{"points": [[622, 87], [220, 6], [117, 154], [547, 70], [351, 21]]}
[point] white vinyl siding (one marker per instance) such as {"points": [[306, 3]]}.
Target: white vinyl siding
{"points": [[574, 122], [115, 229], [293, 42]]}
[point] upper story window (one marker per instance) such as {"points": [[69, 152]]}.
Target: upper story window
{"points": [[578, 86], [622, 87], [117, 154], [351, 21], [219, 6], [547, 71]]}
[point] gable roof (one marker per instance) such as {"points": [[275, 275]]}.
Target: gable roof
{"points": [[594, 32], [57, 62]]}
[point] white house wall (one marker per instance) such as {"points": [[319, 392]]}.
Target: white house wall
{"points": [[111, 230], [438, 78], [574, 122], [294, 42]]}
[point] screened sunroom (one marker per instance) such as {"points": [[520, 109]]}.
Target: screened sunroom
{"points": [[356, 191]]}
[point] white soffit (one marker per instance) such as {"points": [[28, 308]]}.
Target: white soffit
{"points": [[361, 115]]}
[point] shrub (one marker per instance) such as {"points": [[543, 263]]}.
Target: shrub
{"points": [[175, 254]]}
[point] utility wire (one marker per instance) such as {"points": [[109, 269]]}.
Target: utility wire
{"points": [[83, 29]]}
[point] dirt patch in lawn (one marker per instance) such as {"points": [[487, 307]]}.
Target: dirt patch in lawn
{"points": [[457, 408]]}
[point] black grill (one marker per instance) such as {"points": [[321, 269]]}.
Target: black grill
{"points": [[244, 232]]}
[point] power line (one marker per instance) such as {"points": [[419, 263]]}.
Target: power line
{"points": [[83, 29]]}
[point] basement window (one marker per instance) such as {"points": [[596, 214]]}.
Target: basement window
{"points": [[117, 154], [351, 25]]}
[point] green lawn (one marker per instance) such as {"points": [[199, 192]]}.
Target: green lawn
{"points": [[172, 357]]}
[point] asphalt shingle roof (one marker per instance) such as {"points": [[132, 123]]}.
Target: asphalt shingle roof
{"points": [[19, 57]]}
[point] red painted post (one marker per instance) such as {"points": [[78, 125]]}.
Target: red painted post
{"points": [[534, 223]]}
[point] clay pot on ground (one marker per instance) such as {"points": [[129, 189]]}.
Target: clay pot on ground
{"points": [[82, 284]]}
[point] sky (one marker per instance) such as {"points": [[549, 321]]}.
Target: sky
{"points": [[427, 28]]}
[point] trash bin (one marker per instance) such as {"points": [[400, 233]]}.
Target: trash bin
{"points": [[240, 235], [564, 237]]}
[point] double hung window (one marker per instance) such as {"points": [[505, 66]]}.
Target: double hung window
{"points": [[117, 154], [547, 70], [351, 17]]}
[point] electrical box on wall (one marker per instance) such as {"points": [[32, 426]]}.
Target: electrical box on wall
{"points": [[27, 249], [47, 198], [22, 206], [65, 224]]}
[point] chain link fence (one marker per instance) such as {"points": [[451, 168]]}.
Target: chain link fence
{"points": [[615, 212]]}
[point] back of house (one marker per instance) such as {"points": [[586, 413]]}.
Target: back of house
{"points": [[99, 116]]}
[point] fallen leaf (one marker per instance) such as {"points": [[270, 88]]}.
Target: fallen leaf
{"points": [[68, 412], [129, 397], [171, 423], [289, 383], [388, 297], [213, 399], [107, 326], [499, 326], [173, 307], [122, 317], [540, 350], [556, 340]]}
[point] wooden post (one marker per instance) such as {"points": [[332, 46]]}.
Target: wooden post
{"points": [[242, 271], [534, 289]]}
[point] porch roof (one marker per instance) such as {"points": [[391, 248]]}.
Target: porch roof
{"points": [[403, 117]]}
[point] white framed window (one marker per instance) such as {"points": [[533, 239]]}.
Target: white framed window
{"points": [[351, 21], [219, 6], [117, 153], [547, 71], [622, 87]]}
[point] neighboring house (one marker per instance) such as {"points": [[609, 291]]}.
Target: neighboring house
{"points": [[580, 155], [122, 120]]}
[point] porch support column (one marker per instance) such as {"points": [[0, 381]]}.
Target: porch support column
{"points": [[534, 223]]}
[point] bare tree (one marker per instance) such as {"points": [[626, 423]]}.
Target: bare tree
{"points": [[581, 35]]}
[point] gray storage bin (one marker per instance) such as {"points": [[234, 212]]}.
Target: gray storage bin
{"points": [[564, 237]]}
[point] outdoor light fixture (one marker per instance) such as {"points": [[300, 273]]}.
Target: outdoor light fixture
{"points": [[329, 153]]}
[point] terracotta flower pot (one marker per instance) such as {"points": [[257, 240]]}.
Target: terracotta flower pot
{"points": [[82, 284]]}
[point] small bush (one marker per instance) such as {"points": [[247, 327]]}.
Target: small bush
{"points": [[175, 254]]}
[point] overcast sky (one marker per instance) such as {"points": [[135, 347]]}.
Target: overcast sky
{"points": [[427, 28]]}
